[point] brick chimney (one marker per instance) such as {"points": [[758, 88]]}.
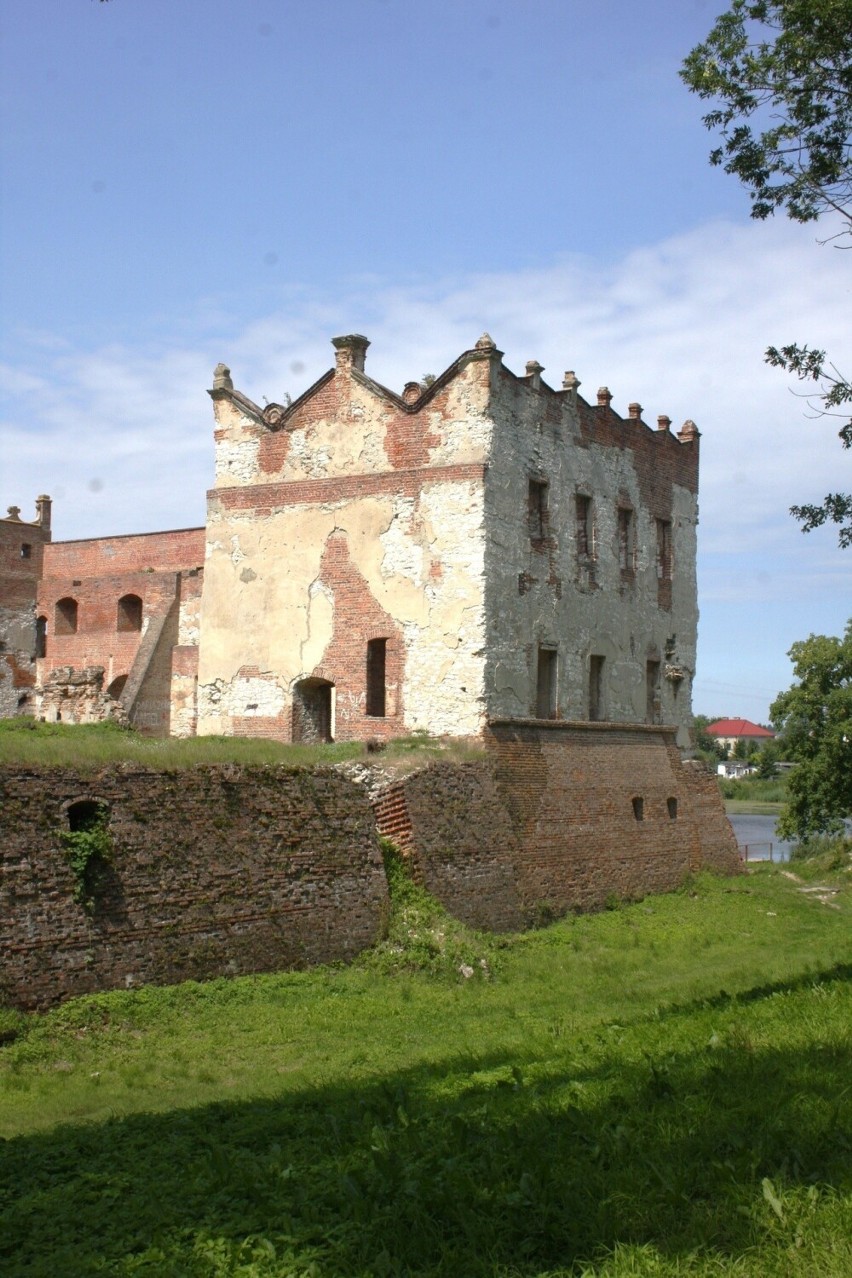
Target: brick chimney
{"points": [[351, 352]]}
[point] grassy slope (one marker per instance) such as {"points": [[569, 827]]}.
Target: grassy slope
{"points": [[660, 1089], [26, 743]]}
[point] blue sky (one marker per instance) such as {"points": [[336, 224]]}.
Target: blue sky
{"points": [[188, 181]]}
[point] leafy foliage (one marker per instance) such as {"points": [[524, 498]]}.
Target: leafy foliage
{"points": [[782, 71], [89, 852], [815, 718]]}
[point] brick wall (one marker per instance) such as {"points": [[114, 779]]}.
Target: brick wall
{"points": [[451, 823], [601, 809], [216, 871]]}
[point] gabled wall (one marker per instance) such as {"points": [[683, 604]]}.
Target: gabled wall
{"points": [[353, 515]]}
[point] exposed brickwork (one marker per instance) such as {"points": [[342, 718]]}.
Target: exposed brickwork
{"points": [[451, 823], [570, 791], [406, 483], [216, 871]]}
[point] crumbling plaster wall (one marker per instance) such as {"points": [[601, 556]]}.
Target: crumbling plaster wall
{"points": [[540, 592], [359, 520]]}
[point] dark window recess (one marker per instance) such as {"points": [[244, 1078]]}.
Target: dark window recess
{"points": [[116, 688], [41, 637], [26, 550], [585, 541], [639, 809], [625, 540], [376, 661], [537, 508], [596, 688], [652, 692], [65, 621], [129, 613], [546, 684], [671, 804], [664, 550]]}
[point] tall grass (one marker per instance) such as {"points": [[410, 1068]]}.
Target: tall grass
{"points": [[26, 742], [661, 1089]]}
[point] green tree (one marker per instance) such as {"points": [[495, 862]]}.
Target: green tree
{"points": [[781, 71], [815, 719], [766, 761]]}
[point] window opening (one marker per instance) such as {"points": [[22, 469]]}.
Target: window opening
{"points": [[41, 637], [596, 688], [312, 710], [546, 684], [664, 550], [639, 808], [537, 508], [26, 550], [625, 540], [584, 526], [376, 686], [652, 692], [65, 621], [129, 613], [671, 804]]}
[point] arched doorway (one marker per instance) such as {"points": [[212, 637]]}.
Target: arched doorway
{"points": [[116, 688], [312, 710]]}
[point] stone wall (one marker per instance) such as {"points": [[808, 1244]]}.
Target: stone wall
{"points": [[216, 871]]}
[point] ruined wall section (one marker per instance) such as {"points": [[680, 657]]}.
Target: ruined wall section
{"points": [[215, 872], [162, 571], [21, 555], [355, 514], [546, 590]]}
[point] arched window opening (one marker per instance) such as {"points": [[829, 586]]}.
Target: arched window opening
{"points": [[312, 710], [376, 684], [65, 620], [41, 637], [129, 613]]}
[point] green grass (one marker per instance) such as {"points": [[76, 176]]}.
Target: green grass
{"points": [[660, 1089], [85, 747]]}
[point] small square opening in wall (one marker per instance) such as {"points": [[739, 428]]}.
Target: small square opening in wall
{"points": [[26, 550], [638, 808]]}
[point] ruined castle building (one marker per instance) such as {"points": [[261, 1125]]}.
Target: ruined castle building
{"points": [[479, 549], [482, 548], [21, 554]]}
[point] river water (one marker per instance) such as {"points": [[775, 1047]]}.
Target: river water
{"points": [[757, 833]]}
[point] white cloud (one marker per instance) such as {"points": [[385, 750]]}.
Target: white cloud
{"points": [[122, 437]]}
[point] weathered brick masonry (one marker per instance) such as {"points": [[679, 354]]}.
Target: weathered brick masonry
{"points": [[216, 871], [558, 817]]}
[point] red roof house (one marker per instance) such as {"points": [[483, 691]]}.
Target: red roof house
{"points": [[729, 731]]}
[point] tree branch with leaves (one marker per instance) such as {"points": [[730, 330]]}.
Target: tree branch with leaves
{"points": [[781, 71]]}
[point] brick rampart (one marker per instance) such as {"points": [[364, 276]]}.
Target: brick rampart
{"points": [[605, 809], [221, 870], [216, 871]]}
